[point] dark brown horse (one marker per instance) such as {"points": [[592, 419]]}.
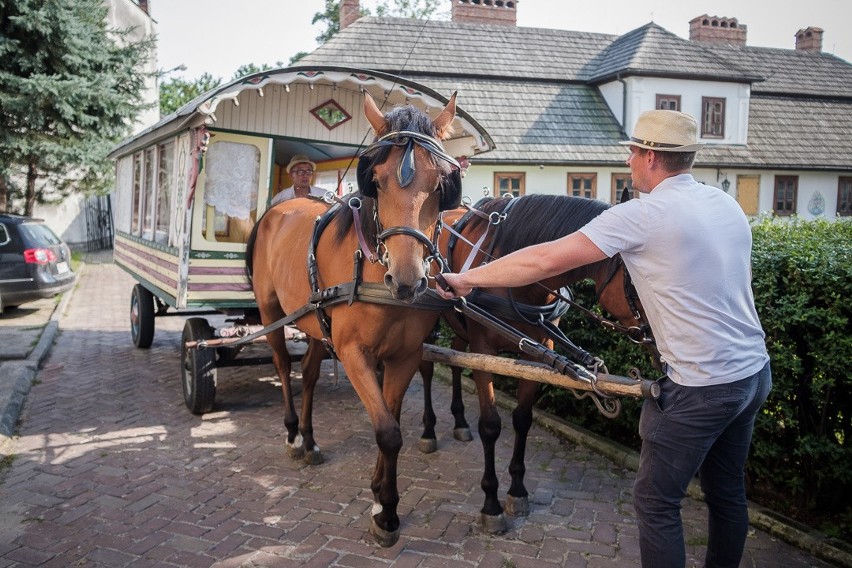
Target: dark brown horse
{"points": [[405, 181], [531, 219]]}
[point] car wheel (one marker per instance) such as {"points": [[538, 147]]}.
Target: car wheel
{"points": [[198, 367], [142, 317]]}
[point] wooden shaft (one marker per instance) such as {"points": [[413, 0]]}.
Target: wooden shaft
{"points": [[613, 385]]}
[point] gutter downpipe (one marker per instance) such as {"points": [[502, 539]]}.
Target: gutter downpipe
{"points": [[623, 102]]}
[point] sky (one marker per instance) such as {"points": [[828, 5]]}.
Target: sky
{"points": [[218, 36]]}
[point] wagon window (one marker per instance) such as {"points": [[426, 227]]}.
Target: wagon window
{"points": [[164, 191], [135, 224], [148, 202], [230, 192]]}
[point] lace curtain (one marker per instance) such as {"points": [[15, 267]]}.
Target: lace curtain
{"points": [[232, 175]]}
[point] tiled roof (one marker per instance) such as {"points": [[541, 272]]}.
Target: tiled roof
{"points": [[449, 48], [790, 71], [791, 133], [535, 90], [653, 50]]}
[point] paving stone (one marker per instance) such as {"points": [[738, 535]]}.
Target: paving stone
{"points": [[111, 469]]}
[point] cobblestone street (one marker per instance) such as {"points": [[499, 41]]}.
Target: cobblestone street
{"points": [[111, 469]]}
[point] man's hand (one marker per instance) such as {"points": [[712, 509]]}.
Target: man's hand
{"points": [[449, 286]]}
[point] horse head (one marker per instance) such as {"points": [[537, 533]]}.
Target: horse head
{"points": [[411, 180]]}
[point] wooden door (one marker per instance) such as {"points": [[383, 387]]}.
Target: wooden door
{"points": [[748, 193]]}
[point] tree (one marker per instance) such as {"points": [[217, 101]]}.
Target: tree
{"points": [[177, 91], [330, 16], [70, 89]]}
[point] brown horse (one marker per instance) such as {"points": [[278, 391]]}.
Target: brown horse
{"points": [[405, 180], [531, 219]]}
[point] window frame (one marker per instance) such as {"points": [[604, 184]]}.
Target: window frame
{"points": [[615, 191], [708, 118], [792, 202], [672, 98], [520, 176], [583, 176], [844, 185]]}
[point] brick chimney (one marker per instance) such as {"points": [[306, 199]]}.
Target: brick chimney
{"points": [[350, 10], [809, 39], [713, 29], [499, 12], [144, 5]]}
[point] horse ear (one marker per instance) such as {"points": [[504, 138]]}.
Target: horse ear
{"points": [[443, 123], [626, 195], [451, 191], [373, 114]]}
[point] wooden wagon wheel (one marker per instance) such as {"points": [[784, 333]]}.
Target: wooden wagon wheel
{"points": [[198, 367], [142, 317]]}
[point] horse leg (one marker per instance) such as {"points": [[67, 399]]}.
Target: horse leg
{"points": [[491, 516], [428, 441], [384, 406], [281, 358], [517, 499], [311, 364], [461, 429]]}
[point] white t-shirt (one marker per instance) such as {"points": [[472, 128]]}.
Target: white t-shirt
{"points": [[290, 193], [687, 247]]}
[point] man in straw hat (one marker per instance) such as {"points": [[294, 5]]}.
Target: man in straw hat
{"points": [[687, 247], [301, 169]]}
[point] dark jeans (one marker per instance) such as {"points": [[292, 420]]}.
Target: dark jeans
{"points": [[703, 430]]}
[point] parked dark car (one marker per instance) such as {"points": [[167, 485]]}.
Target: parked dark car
{"points": [[34, 262]]}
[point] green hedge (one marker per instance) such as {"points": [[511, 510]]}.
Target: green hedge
{"points": [[800, 461]]}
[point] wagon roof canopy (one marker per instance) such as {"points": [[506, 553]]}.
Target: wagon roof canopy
{"points": [[388, 90]]}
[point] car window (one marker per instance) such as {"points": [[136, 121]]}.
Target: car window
{"points": [[39, 234], [4, 235]]}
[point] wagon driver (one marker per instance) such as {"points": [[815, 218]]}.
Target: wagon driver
{"points": [[301, 169], [688, 249]]}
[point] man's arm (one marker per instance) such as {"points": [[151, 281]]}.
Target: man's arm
{"points": [[527, 265]]}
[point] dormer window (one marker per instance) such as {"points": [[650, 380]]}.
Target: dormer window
{"points": [[712, 117]]}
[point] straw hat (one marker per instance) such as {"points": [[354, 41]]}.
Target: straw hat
{"points": [[665, 131], [299, 159]]}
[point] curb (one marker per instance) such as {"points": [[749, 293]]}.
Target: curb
{"points": [[15, 385], [790, 531]]}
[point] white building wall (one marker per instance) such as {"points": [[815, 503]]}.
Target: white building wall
{"points": [[642, 95]]}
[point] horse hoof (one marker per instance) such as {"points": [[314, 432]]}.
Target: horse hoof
{"points": [[494, 524], [295, 452], [427, 445], [313, 457], [384, 538], [462, 434], [517, 506]]}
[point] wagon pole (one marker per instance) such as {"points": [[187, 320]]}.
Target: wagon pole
{"points": [[611, 385]]}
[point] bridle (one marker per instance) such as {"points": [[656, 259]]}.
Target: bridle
{"points": [[405, 172]]}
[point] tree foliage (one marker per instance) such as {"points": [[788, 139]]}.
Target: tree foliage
{"points": [[177, 91], [70, 88], [330, 16]]}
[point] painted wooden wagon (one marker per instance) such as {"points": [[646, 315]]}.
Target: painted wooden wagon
{"points": [[190, 188]]}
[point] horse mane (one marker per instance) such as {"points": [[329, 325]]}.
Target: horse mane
{"points": [[538, 218], [398, 118]]}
